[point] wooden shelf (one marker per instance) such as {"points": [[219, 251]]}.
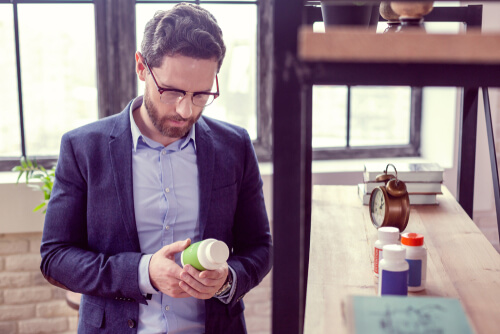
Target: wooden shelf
{"points": [[354, 45], [461, 263]]}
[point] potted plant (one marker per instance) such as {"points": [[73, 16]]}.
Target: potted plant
{"points": [[33, 171]]}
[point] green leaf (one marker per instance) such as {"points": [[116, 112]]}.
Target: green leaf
{"points": [[19, 177], [17, 169], [38, 207], [23, 163]]}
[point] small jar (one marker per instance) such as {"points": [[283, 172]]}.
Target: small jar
{"points": [[386, 236], [208, 254], [416, 256], [393, 272]]}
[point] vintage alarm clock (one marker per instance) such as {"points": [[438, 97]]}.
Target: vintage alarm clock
{"points": [[390, 204]]}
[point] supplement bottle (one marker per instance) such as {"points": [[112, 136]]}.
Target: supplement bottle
{"points": [[207, 254], [416, 256], [386, 236], [393, 268]]}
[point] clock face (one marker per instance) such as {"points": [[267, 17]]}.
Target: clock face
{"points": [[377, 207]]}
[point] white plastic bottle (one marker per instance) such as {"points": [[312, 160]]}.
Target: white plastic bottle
{"points": [[386, 236], [416, 256], [393, 268]]}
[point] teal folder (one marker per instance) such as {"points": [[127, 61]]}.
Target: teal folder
{"points": [[406, 315]]}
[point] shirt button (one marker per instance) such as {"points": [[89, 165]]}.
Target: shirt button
{"points": [[131, 323], [167, 308], [167, 190], [167, 227], [163, 152]]}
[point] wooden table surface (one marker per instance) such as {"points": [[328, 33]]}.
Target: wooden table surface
{"points": [[461, 262]]}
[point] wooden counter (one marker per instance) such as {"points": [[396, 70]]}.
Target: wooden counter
{"points": [[461, 261]]}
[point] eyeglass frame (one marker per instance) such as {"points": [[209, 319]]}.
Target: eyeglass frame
{"points": [[193, 94]]}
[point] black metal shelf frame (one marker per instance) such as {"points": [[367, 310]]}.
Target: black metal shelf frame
{"points": [[292, 136]]}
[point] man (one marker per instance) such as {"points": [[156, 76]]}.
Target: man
{"points": [[135, 189]]}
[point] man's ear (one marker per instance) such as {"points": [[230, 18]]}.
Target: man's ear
{"points": [[140, 68]]}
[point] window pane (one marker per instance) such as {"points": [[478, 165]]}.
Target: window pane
{"points": [[329, 116], [237, 78], [237, 103], [10, 134], [380, 116], [58, 67]]}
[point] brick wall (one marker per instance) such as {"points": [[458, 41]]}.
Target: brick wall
{"points": [[28, 304]]}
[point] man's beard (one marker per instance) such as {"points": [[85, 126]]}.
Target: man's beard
{"points": [[160, 123]]}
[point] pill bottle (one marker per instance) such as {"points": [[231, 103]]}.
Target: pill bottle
{"points": [[386, 236], [393, 269], [206, 254], [416, 256]]}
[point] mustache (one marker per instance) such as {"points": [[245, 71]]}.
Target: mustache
{"points": [[176, 118]]}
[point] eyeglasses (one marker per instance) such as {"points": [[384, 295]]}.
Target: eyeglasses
{"points": [[172, 95]]}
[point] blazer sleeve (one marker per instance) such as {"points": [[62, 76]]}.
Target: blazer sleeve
{"points": [[252, 248], [67, 259]]}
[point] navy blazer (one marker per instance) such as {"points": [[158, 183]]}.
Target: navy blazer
{"points": [[90, 242]]}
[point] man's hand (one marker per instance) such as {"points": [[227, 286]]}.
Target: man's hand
{"points": [[204, 284], [164, 273]]}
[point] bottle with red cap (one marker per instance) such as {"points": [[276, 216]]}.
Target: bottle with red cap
{"points": [[416, 256]]}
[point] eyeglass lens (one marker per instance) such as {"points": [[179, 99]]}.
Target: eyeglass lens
{"points": [[200, 100]]}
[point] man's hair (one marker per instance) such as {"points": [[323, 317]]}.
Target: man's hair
{"points": [[186, 29]]}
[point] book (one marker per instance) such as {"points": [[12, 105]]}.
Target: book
{"points": [[415, 199], [412, 187], [408, 172], [402, 314]]}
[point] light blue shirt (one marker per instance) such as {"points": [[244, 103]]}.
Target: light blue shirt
{"points": [[166, 203]]}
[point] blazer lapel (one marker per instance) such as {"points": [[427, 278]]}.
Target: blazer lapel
{"points": [[205, 156], [120, 149]]}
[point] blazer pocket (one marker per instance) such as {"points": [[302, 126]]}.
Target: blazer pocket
{"points": [[92, 314]]}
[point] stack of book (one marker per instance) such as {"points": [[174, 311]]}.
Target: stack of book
{"points": [[423, 181]]}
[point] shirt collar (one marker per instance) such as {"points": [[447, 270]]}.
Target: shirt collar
{"points": [[137, 135]]}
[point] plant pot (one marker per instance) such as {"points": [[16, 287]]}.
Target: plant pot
{"points": [[342, 14]]}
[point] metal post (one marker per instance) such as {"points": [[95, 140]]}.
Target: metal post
{"points": [[468, 129], [493, 155], [292, 173]]}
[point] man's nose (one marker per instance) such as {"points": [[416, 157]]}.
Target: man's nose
{"points": [[185, 107]]}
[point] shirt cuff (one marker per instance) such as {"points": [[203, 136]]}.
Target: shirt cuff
{"points": [[144, 282], [228, 296]]}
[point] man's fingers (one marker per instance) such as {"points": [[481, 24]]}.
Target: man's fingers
{"points": [[214, 274], [176, 247], [195, 293]]}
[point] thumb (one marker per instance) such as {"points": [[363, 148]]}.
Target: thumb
{"points": [[176, 247]]}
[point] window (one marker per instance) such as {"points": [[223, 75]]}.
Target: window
{"points": [[49, 86]]}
